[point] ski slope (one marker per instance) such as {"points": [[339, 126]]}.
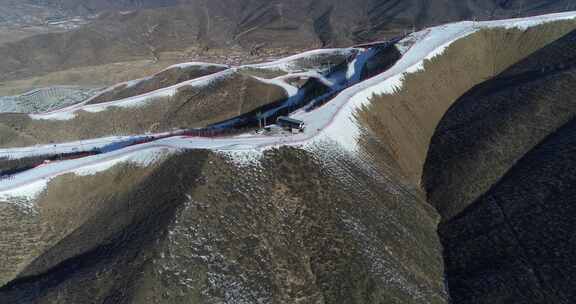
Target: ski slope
{"points": [[136, 101], [334, 120], [288, 64]]}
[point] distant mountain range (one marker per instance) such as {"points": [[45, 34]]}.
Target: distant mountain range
{"points": [[366, 15], [125, 31]]}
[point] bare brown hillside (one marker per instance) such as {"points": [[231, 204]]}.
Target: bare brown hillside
{"points": [[407, 120], [190, 106], [162, 33], [462, 190], [163, 79], [500, 172], [60, 219], [196, 227]]}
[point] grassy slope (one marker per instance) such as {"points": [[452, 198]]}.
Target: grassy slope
{"points": [[190, 107], [314, 227], [407, 120], [163, 79], [294, 228], [63, 211], [513, 243], [498, 121]]}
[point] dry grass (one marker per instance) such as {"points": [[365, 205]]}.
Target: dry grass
{"points": [[89, 76], [296, 225], [14, 33], [164, 79], [406, 121], [304, 230], [61, 211], [190, 107]]}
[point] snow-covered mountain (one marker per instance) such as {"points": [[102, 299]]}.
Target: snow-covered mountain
{"points": [[166, 189]]}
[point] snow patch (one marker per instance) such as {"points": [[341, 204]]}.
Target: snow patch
{"points": [[528, 22], [201, 65], [135, 101], [25, 188], [291, 90], [309, 74], [45, 99], [142, 159], [244, 158], [24, 196], [289, 64]]}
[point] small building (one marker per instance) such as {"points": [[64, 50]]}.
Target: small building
{"points": [[290, 124]]}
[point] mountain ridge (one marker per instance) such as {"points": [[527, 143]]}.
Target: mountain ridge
{"points": [[344, 210]]}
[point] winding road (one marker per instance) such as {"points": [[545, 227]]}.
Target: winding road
{"points": [[333, 119]]}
